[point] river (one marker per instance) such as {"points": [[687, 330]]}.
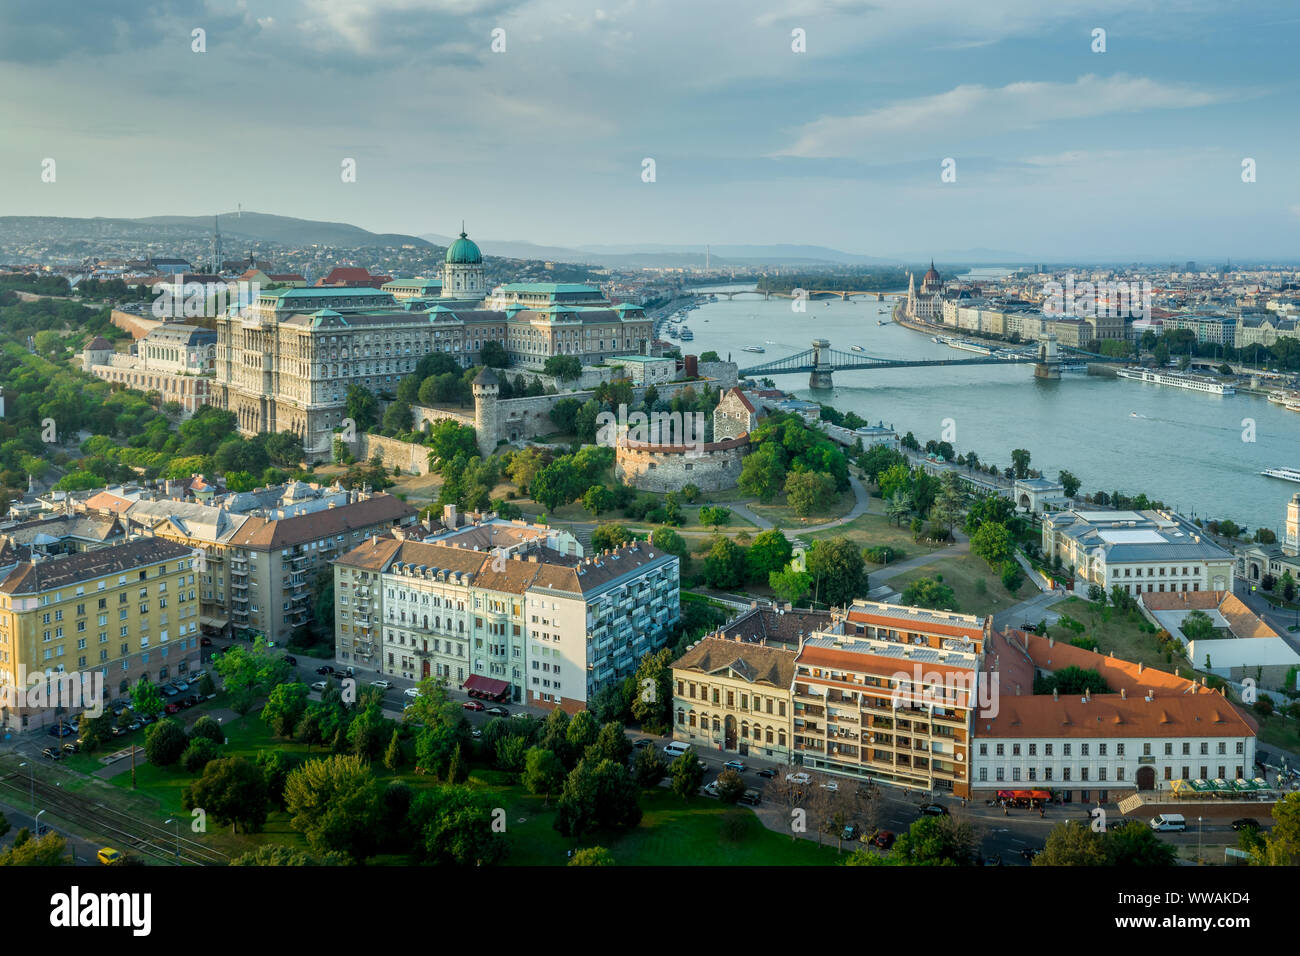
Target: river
{"points": [[1182, 447]]}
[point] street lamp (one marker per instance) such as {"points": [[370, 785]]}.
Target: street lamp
{"points": [[32, 773], [1198, 840], [178, 835], [37, 824]]}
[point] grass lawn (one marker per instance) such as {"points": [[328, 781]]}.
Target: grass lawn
{"points": [[1278, 731], [781, 514], [875, 530], [961, 572], [672, 831], [1118, 632]]}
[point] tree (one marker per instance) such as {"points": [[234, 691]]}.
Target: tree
{"points": [[1287, 583], [610, 535], [1197, 626], [648, 767], [207, 726], [724, 565], [1133, 843], [393, 753], [199, 752], [809, 492], [397, 417], [838, 570], [1282, 843], [563, 367], [763, 471], [935, 841], [927, 592], [790, 586], [1020, 462], [1012, 576], [687, 774], [598, 498], [652, 703], [714, 515], [669, 541], [993, 542], [769, 551], [232, 790], [146, 701], [48, 850], [543, 773], [558, 483], [948, 502], [597, 796], [1069, 483], [731, 786], [284, 708], [493, 354], [362, 407], [164, 742], [581, 732], [334, 802], [592, 856], [610, 744], [257, 668], [456, 826], [1072, 844], [898, 506]]}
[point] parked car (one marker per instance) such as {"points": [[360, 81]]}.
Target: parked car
{"points": [[291, 660], [1246, 823], [1029, 628], [71, 747], [384, 684], [412, 692], [767, 773], [797, 778], [994, 860], [711, 788], [172, 709], [850, 832], [642, 742], [116, 731], [473, 705], [170, 691], [832, 786], [193, 699], [181, 686], [751, 797], [205, 642], [51, 753], [883, 839], [62, 729], [1030, 852], [476, 733], [735, 765], [108, 856], [324, 669], [318, 685], [498, 711]]}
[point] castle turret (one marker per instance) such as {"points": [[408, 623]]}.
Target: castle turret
{"points": [[1291, 542], [486, 388]]}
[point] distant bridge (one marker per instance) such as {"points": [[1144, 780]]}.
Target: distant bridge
{"points": [[821, 361], [842, 294]]}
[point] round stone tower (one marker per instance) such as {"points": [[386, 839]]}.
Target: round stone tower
{"points": [[486, 387]]}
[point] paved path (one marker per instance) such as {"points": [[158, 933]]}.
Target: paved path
{"points": [[960, 546]]}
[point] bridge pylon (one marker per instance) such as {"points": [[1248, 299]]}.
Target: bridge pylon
{"points": [[823, 365]]}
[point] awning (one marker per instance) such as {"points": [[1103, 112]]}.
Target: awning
{"points": [[485, 686], [213, 621]]}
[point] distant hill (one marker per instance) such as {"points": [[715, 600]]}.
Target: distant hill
{"points": [[285, 230], [655, 254]]}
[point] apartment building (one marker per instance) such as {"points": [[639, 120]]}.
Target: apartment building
{"points": [[1147, 729], [890, 693], [260, 553], [114, 614], [1139, 551], [527, 623]]}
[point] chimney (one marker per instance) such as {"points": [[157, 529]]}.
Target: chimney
{"points": [[1139, 667], [1055, 694], [1087, 694], [1051, 641], [1123, 693]]}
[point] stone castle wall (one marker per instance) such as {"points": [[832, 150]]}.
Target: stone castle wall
{"points": [[137, 325], [714, 466], [412, 459], [423, 414]]}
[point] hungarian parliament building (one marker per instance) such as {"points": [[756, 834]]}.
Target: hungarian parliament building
{"points": [[285, 362]]}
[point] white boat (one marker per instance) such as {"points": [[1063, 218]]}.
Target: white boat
{"points": [[1286, 474], [753, 348], [1191, 382], [857, 348], [769, 342]]}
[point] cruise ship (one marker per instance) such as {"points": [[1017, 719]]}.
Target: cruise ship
{"points": [[686, 333], [1192, 382], [1286, 474]]}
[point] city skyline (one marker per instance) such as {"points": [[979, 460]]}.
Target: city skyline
{"points": [[1060, 152]]}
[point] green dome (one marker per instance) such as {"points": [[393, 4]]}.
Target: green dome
{"points": [[463, 252]]}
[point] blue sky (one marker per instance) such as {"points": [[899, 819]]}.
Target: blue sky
{"points": [[1060, 151]]}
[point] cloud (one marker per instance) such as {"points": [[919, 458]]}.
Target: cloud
{"points": [[975, 110]]}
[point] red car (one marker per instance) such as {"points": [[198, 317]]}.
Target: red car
{"points": [[172, 708], [473, 705], [205, 642], [883, 839]]}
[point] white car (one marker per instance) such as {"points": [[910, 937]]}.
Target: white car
{"points": [[711, 788], [319, 685], [385, 684], [833, 787], [412, 692], [797, 778]]}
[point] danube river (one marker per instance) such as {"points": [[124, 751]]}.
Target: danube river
{"points": [[1182, 447]]}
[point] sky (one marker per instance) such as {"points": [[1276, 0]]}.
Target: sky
{"points": [[1059, 150]]}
